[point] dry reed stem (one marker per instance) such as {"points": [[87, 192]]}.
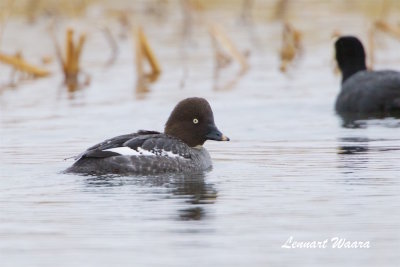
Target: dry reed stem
{"points": [[69, 50], [124, 20], [383, 26], [224, 58], [113, 45], [143, 52], [380, 25], [148, 52], [291, 45], [246, 15], [281, 9], [21, 65], [187, 13], [195, 5], [141, 86], [229, 84], [385, 6], [32, 9], [221, 37], [4, 15], [78, 52], [70, 63]]}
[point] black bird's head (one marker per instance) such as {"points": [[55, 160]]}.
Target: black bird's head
{"points": [[350, 56]]}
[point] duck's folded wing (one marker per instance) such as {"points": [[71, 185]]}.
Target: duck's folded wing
{"points": [[143, 143], [102, 150]]}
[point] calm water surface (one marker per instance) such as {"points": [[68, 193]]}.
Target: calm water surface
{"points": [[291, 169]]}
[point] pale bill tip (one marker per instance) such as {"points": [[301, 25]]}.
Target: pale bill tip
{"points": [[225, 138]]}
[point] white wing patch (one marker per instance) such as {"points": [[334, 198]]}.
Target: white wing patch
{"points": [[127, 151], [124, 150]]}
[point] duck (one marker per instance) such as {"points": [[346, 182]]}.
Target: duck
{"points": [[364, 93], [179, 149]]}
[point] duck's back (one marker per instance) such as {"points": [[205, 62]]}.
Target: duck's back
{"points": [[370, 92], [144, 152]]}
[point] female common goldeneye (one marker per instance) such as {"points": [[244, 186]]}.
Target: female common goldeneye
{"points": [[178, 149], [364, 93]]}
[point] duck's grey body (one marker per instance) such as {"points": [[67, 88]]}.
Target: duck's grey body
{"points": [[144, 152], [370, 92]]}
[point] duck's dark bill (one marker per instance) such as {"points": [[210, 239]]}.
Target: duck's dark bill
{"points": [[215, 134]]}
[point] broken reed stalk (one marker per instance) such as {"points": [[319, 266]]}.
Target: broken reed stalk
{"points": [[141, 86], [246, 15], [281, 9], [225, 52], [21, 65], [187, 14], [221, 37], [73, 53], [144, 52], [5, 12], [113, 46], [148, 52], [291, 45], [70, 63], [383, 26], [380, 25], [385, 7]]}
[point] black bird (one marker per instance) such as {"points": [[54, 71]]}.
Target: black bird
{"points": [[364, 93], [178, 149]]}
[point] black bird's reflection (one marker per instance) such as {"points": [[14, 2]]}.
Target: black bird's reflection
{"points": [[353, 153], [355, 121], [353, 145], [357, 154], [191, 188]]}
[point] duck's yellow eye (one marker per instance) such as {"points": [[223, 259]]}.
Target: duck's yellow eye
{"points": [[195, 121]]}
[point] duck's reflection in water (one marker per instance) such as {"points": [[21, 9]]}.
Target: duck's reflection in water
{"points": [[198, 194], [191, 188]]}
